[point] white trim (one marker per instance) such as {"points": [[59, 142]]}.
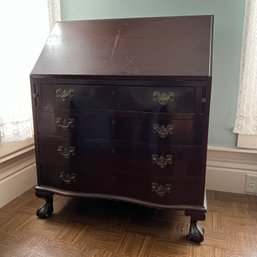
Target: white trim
{"points": [[9, 150], [247, 141], [227, 168], [17, 175]]}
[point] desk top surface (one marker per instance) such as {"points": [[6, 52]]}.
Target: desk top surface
{"points": [[161, 46]]}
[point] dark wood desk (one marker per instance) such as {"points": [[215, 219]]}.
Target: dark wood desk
{"points": [[121, 112]]}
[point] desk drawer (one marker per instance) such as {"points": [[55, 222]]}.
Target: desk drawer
{"points": [[182, 191], [74, 125], [160, 160], [79, 156], [173, 99], [152, 129], [135, 186], [72, 179], [147, 128]]}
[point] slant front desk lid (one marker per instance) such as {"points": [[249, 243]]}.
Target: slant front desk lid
{"points": [[162, 46]]}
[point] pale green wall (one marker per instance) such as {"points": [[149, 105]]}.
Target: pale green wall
{"points": [[228, 21]]}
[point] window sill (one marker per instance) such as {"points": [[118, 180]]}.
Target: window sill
{"points": [[12, 150], [247, 141], [16, 156]]}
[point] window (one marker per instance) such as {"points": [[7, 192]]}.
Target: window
{"points": [[24, 27], [246, 121]]}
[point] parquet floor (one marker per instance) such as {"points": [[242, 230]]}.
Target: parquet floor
{"points": [[97, 228]]}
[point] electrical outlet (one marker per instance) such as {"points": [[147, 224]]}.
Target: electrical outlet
{"points": [[251, 183]]}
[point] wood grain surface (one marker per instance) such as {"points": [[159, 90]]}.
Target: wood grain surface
{"points": [[142, 46], [98, 228]]}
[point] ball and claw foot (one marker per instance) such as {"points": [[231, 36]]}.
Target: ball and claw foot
{"points": [[196, 233], [47, 209]]}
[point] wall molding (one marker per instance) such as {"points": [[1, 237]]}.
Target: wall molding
{"points": [[227, 168], [17, 175]]}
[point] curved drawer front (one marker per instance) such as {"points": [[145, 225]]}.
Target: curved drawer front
{"points": [[143, 129], [157, 99], [173, 99], [182, 191], [74, 125], [71, 179], [159, 160], [162, 161], [156, 130], [135, 186], [76, 96], [76, 155]]}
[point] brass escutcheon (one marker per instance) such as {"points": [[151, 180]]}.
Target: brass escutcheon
{"points": [[161, 189], [64, 94], [162, 161], [163, 97], [163, 131], [65, 123], [66, 151], [203, 100], [68, 178]]}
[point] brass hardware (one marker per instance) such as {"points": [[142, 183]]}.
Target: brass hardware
{"points": [[163, 98], [68, 178], [162, 161], [64, 94], [64, 124], [66, 151], [203, 100], [163, 131], [161, 189]]}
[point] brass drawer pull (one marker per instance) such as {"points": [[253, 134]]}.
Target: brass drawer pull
{"points": [[163, 98], [163, 131], [64, 94], [68, 178], [162, 161], [66, 151], [64, 123], [161, 189]]}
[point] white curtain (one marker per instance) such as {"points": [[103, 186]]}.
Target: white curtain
{"points": [[54, 12], [23, 35], [246, 120]]}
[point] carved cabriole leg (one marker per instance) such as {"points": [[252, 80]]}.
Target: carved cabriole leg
{"points": [[196, 233], [47, 209]]}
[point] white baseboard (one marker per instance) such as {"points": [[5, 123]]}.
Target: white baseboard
{"points": [[17, 175], [227, 168]]}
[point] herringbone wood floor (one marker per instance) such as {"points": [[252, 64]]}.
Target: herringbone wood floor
{"points": [[97, 228]]}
